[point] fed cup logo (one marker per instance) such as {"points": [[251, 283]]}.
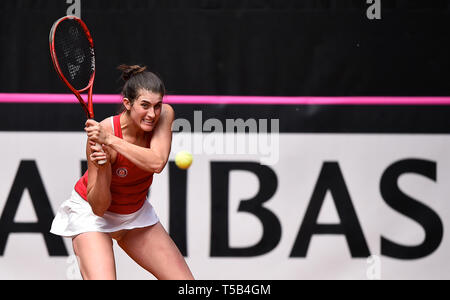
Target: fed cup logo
{"points": [[122, 172]]}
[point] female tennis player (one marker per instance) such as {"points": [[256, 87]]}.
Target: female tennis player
{"points": [[110, 200]]}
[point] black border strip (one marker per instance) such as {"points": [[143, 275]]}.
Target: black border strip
{"points": [[292, 118]]}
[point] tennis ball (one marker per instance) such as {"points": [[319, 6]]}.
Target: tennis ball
{"points": [[183, 160]]}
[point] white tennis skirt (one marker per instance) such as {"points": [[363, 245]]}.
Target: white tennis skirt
{"points": [[75, 216]]}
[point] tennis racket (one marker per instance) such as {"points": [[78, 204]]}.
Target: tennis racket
{"points": [[73, 56]]}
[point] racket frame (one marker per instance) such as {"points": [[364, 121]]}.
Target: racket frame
{"points": [[88, 108]]}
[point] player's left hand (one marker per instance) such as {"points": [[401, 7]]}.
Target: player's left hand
{"points": [[96, 132], [99, 153]]}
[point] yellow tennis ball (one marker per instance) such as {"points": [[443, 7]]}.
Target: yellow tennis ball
{"points": [[183, 160]]}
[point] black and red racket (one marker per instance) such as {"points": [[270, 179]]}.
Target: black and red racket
{"points": [[73, 56]]}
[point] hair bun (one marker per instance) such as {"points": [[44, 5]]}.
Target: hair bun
{"points": [[130, 71]]}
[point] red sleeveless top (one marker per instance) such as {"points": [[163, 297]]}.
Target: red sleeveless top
{"points": [[129, 184]]}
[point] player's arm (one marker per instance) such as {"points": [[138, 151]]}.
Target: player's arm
{"points": [[99, 179], [151, 159]]}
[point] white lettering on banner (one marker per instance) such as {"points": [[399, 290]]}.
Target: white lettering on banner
{"points": [[330, 202]]}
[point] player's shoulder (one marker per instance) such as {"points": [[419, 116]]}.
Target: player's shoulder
{"points": [[107, 124], [168, 111]]}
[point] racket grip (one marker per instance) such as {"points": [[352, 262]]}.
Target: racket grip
{"points": [[101, 162]]}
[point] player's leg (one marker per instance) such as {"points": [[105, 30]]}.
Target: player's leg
{"points": [[95, 256], [154, 250]]}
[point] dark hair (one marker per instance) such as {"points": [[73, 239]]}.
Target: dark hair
{"points": [[138, 78]]}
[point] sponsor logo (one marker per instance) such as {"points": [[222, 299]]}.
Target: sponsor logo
{"points": [[122, 172]]}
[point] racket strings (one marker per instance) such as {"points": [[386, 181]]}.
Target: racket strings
{"points": [[74, 53]]}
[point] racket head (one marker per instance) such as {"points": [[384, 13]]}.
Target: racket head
{"points": [[73, 56]]}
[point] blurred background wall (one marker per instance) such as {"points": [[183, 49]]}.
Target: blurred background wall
{"points": [[337, 169]]}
